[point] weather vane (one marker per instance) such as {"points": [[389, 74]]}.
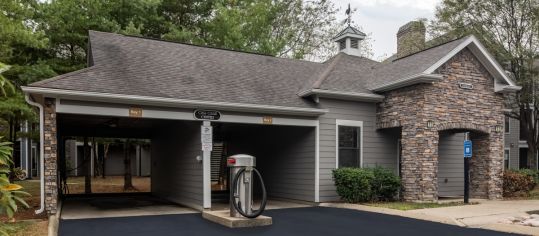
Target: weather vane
{"points": [[348, 12]]}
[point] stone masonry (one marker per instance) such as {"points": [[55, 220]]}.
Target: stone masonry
{"points": [[448, 108], [50, 148]]}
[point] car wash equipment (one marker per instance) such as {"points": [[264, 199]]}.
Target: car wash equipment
{"points": [[242, 168]]}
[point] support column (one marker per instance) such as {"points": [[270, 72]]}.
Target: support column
{"points": [[419, 164], [50, 158], [486, 166]]}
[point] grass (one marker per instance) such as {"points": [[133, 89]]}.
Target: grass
{"points": [[26, 228], [405, 206], [110, 184], [534, 194]]}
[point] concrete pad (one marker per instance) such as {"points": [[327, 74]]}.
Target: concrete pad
{"points": [[224, 218], [271, 205], [486, 214], [101, 207]]}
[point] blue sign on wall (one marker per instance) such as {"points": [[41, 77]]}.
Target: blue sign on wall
{"points": [[467, 148]]}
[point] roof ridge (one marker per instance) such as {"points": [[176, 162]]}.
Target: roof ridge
{"points": [[429, 48], [317, 83], [204, 46]]}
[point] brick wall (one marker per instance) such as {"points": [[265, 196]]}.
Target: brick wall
{"points": [[448, 108]]}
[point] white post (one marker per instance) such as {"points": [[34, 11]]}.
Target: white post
{"points": [[206, 164]]}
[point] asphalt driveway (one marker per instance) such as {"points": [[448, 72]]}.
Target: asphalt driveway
{"points": [[312, 221]]}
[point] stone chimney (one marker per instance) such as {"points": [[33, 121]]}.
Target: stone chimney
{"points": [[410, 38]]}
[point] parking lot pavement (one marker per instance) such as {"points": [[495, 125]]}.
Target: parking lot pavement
{"points": [[312, 221]]}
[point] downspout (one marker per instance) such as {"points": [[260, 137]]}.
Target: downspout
{"points": [[41, 152]]}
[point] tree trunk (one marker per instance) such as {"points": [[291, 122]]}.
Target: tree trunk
{"points": [[87, 160], [128, 184]]}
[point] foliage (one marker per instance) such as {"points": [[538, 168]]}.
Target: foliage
{"points": [[353, 184], [385, 184], [6, 88], [510, 31], [515, 183], [365, 184], [529, 172], [10, 194]]}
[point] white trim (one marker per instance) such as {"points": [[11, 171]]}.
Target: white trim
{"points": [[352, 123], [363, 97], [508, 158], [206, 170], [471, 39], [171, 102], [317, 163], [407, 81], [92, 109]]}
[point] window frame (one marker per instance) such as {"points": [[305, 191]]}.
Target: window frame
{"points": [[350, 123], [508, 150]]}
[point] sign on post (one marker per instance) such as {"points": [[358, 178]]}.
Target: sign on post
{"points": [[467, 148], [206, 136], [467, 157]]}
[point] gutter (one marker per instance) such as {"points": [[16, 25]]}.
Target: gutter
{"points": [[172, 102], [362, 97], [509, 89], [41, 152], [411, 80]]}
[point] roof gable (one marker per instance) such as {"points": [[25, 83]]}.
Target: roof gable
{"points": [[421, 67]]}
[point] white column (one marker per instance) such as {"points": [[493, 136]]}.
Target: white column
{"points": [[206, 166]]}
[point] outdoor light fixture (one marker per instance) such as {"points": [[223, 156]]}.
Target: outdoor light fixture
{"points": [[498, 128], [430, 124]]}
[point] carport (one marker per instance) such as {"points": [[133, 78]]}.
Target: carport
{"points": [[286, 146]]}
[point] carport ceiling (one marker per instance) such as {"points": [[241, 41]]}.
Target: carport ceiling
{"points": [[107, 126]]}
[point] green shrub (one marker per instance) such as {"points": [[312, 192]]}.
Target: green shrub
{"points": [[516, 183], [385, 184], [529, 172], [366, 184], [353, 184]]}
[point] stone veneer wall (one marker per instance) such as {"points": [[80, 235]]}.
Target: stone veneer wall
{"points": [[50, 148], [449, 108]]}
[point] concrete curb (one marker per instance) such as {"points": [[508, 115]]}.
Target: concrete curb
{"points": [[54, 221], [387, 211]]}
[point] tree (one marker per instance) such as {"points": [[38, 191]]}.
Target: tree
{"points": [[510, 30], [290, 28]]}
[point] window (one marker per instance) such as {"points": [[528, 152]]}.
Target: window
{"points": [[349, 143], [506, 125], [342, 44], [354, 43], [506, 155]]}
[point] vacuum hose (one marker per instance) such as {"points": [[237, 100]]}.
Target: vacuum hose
{"points": [[237, 204]]}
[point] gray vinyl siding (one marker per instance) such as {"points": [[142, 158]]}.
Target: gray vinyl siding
{"points": [[285, 156], [512, 138], [379, 146], [176, 174], [450, 165]]}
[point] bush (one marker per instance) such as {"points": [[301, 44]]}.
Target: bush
{"points": [[516, 183], [385, 185], [365, 184], [353, 184], [529, 172]]}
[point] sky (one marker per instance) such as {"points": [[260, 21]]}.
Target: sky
{"points": [[382, 19]]}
